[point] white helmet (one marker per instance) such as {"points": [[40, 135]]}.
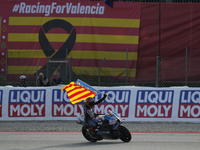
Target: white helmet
{"points": [[22, 77]]}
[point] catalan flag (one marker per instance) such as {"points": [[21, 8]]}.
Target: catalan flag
{"points": [[98, 31], [77, 93]]}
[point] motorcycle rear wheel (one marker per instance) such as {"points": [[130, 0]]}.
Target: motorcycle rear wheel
{"points": [[125, 134], [86, 135]]}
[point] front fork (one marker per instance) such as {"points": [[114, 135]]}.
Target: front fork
{"points": [[116, 129], [116, 126]]}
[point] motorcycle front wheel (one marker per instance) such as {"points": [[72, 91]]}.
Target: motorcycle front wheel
{"points": [[87, 135], [125, 134]]}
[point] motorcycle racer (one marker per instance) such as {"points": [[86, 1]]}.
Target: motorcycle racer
{"points": [[90, 116]]}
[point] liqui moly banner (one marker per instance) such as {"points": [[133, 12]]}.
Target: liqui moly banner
{"points": [[189, 104], [154, 103], [62, 107], [26, 103], [132, 103], [119, 102]]}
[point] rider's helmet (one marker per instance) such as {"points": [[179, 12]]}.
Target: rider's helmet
{"points": [[22, 77], [90, 102]]}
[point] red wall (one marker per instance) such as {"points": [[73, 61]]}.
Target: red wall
{"points": [[180, 28]]}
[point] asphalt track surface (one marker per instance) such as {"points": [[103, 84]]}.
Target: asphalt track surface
{"points": [[62, 135], [33, 140]]}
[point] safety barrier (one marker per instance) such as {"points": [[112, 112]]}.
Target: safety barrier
{"points": [[132, 103]]}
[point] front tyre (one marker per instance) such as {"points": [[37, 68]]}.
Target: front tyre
{"points": [[125, 134], [87, 135]]}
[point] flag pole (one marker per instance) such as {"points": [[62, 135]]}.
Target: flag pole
{"points": [[94, 88]]}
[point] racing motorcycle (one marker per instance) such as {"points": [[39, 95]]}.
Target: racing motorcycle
{"points": [[111, 128]]}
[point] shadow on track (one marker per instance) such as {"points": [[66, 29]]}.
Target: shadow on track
{"points": [[83, 144]]}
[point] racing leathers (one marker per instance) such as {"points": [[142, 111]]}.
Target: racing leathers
{"points": [[90, 116]]}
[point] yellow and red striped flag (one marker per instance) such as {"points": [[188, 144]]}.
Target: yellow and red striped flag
{"points": [[77, 93]]}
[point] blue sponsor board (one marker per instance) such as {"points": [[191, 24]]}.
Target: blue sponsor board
{"points": [[155, 96], [189, 97], [1, 96], [27, 96]]}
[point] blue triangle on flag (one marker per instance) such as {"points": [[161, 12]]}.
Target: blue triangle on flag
{"points": [[109, 3]]}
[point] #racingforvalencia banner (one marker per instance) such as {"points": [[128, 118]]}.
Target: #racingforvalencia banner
{"points": [[89, 30]]}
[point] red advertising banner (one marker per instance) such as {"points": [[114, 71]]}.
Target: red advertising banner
{"points": [[89, 30]]}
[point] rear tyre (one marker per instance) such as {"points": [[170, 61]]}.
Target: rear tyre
{"points": [[87, 135], [125, 134]]}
